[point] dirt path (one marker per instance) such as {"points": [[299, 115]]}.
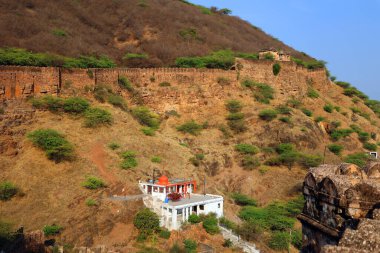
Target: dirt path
{"points": [[98, 156]]}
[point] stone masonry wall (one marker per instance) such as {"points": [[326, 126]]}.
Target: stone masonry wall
{"points": [[191, 86]]}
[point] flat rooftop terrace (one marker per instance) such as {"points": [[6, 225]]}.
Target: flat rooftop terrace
{"points": [[194, 199]]}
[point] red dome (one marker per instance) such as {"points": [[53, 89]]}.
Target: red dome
{"points": [[163, 180]]}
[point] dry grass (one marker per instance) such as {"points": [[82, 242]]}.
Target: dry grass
{"points": [[115, 28]]}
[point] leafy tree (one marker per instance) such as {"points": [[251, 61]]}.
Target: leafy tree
{"points": [[190, 127], [93, 183], [268, 114], [52, 229], [335, 148], [276, 69], [95, 117], [7, 190], [246, 148], [147, 221]]}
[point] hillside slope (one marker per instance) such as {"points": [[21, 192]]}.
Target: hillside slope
{"points": [[161, 29], [311, 108]]}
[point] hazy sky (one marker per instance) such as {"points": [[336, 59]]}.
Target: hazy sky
{"points": [[344, 33]]}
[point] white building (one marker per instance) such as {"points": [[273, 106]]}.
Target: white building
{"points": [[174, 213]]}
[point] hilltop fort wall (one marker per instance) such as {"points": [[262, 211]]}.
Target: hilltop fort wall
{"points": [[194, 84]]}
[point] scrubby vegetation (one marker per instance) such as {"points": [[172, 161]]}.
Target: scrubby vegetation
{"points": [[95, 117], [311, 93], [335, 148], [309, 64], [147, 222], [7, 190], [156, 159], [262, 92], [145, 117], [52, 229], [289, 156], [359, 159], [129, 160], [56, 147], [190, 127], [243, 200], [338, 134], [268, 114], [275, 218], [234, 106], [276, 69], [93, 183], [210, 224], [91, 202], [244, 148], [22, 57]]}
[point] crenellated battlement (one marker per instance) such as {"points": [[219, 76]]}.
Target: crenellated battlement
{"points": [[18, 82]]}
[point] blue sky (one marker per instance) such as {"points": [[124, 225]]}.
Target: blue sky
{"points": [[345, 33]]}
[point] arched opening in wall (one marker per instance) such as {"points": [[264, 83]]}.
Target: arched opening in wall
{"points": [[328, 202]]}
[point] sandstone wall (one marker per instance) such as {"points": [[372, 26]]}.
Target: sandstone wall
{"points": [[190, 86]]}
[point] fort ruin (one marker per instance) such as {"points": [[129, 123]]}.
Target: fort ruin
{"points": [[342, 209]]}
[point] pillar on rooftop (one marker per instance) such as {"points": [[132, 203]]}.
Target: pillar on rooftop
{"points": [[174, 218]]}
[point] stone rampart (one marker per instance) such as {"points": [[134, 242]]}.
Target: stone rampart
{"points": [[22, 82]]}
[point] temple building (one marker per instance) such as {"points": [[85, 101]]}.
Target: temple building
{"points": [[174, 201]]}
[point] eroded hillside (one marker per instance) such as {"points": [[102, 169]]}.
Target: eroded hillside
{"points": [[297, 106]]}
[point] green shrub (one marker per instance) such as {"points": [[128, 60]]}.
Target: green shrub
{"points": [[335, 124], [223, 221], [370, 146], [156, 159], [75, 105], [279, 240], [95, 117], [7, 234], [246, 148], [227, 243], [113, 145], [125, 84], [7, 190], [276, 69], [148, 131], [250, 162], [311, 93], [117, 101], [309, 161], [262, 92], [52, 230], [193, 219], [335, 148], [328, 108], [146, 221], [238, 126], [307, 112], [294, 103], [53, 104], [190, 127], [130, 56], [235, 116], [338, 134], [59, 32], [289, 158], [56, 147], [210, 224], [164, 234], [145, 117], [2, 110], [190, 246], [275, 216], [285, 119], [268, 114], [129, 160], [285, 147], [297, 239], [234, 106], [319, 119], [273, 161], [91, 202], [164, 84], [359, 159], [223, 59], [363, 136], [22, 57], [93, 183], [314, 64], [343, 84], [283, 109], [269, 56], [101, 92], [243, 200]]}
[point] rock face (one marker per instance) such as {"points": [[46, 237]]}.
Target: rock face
{"points": [[342, 209]]}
